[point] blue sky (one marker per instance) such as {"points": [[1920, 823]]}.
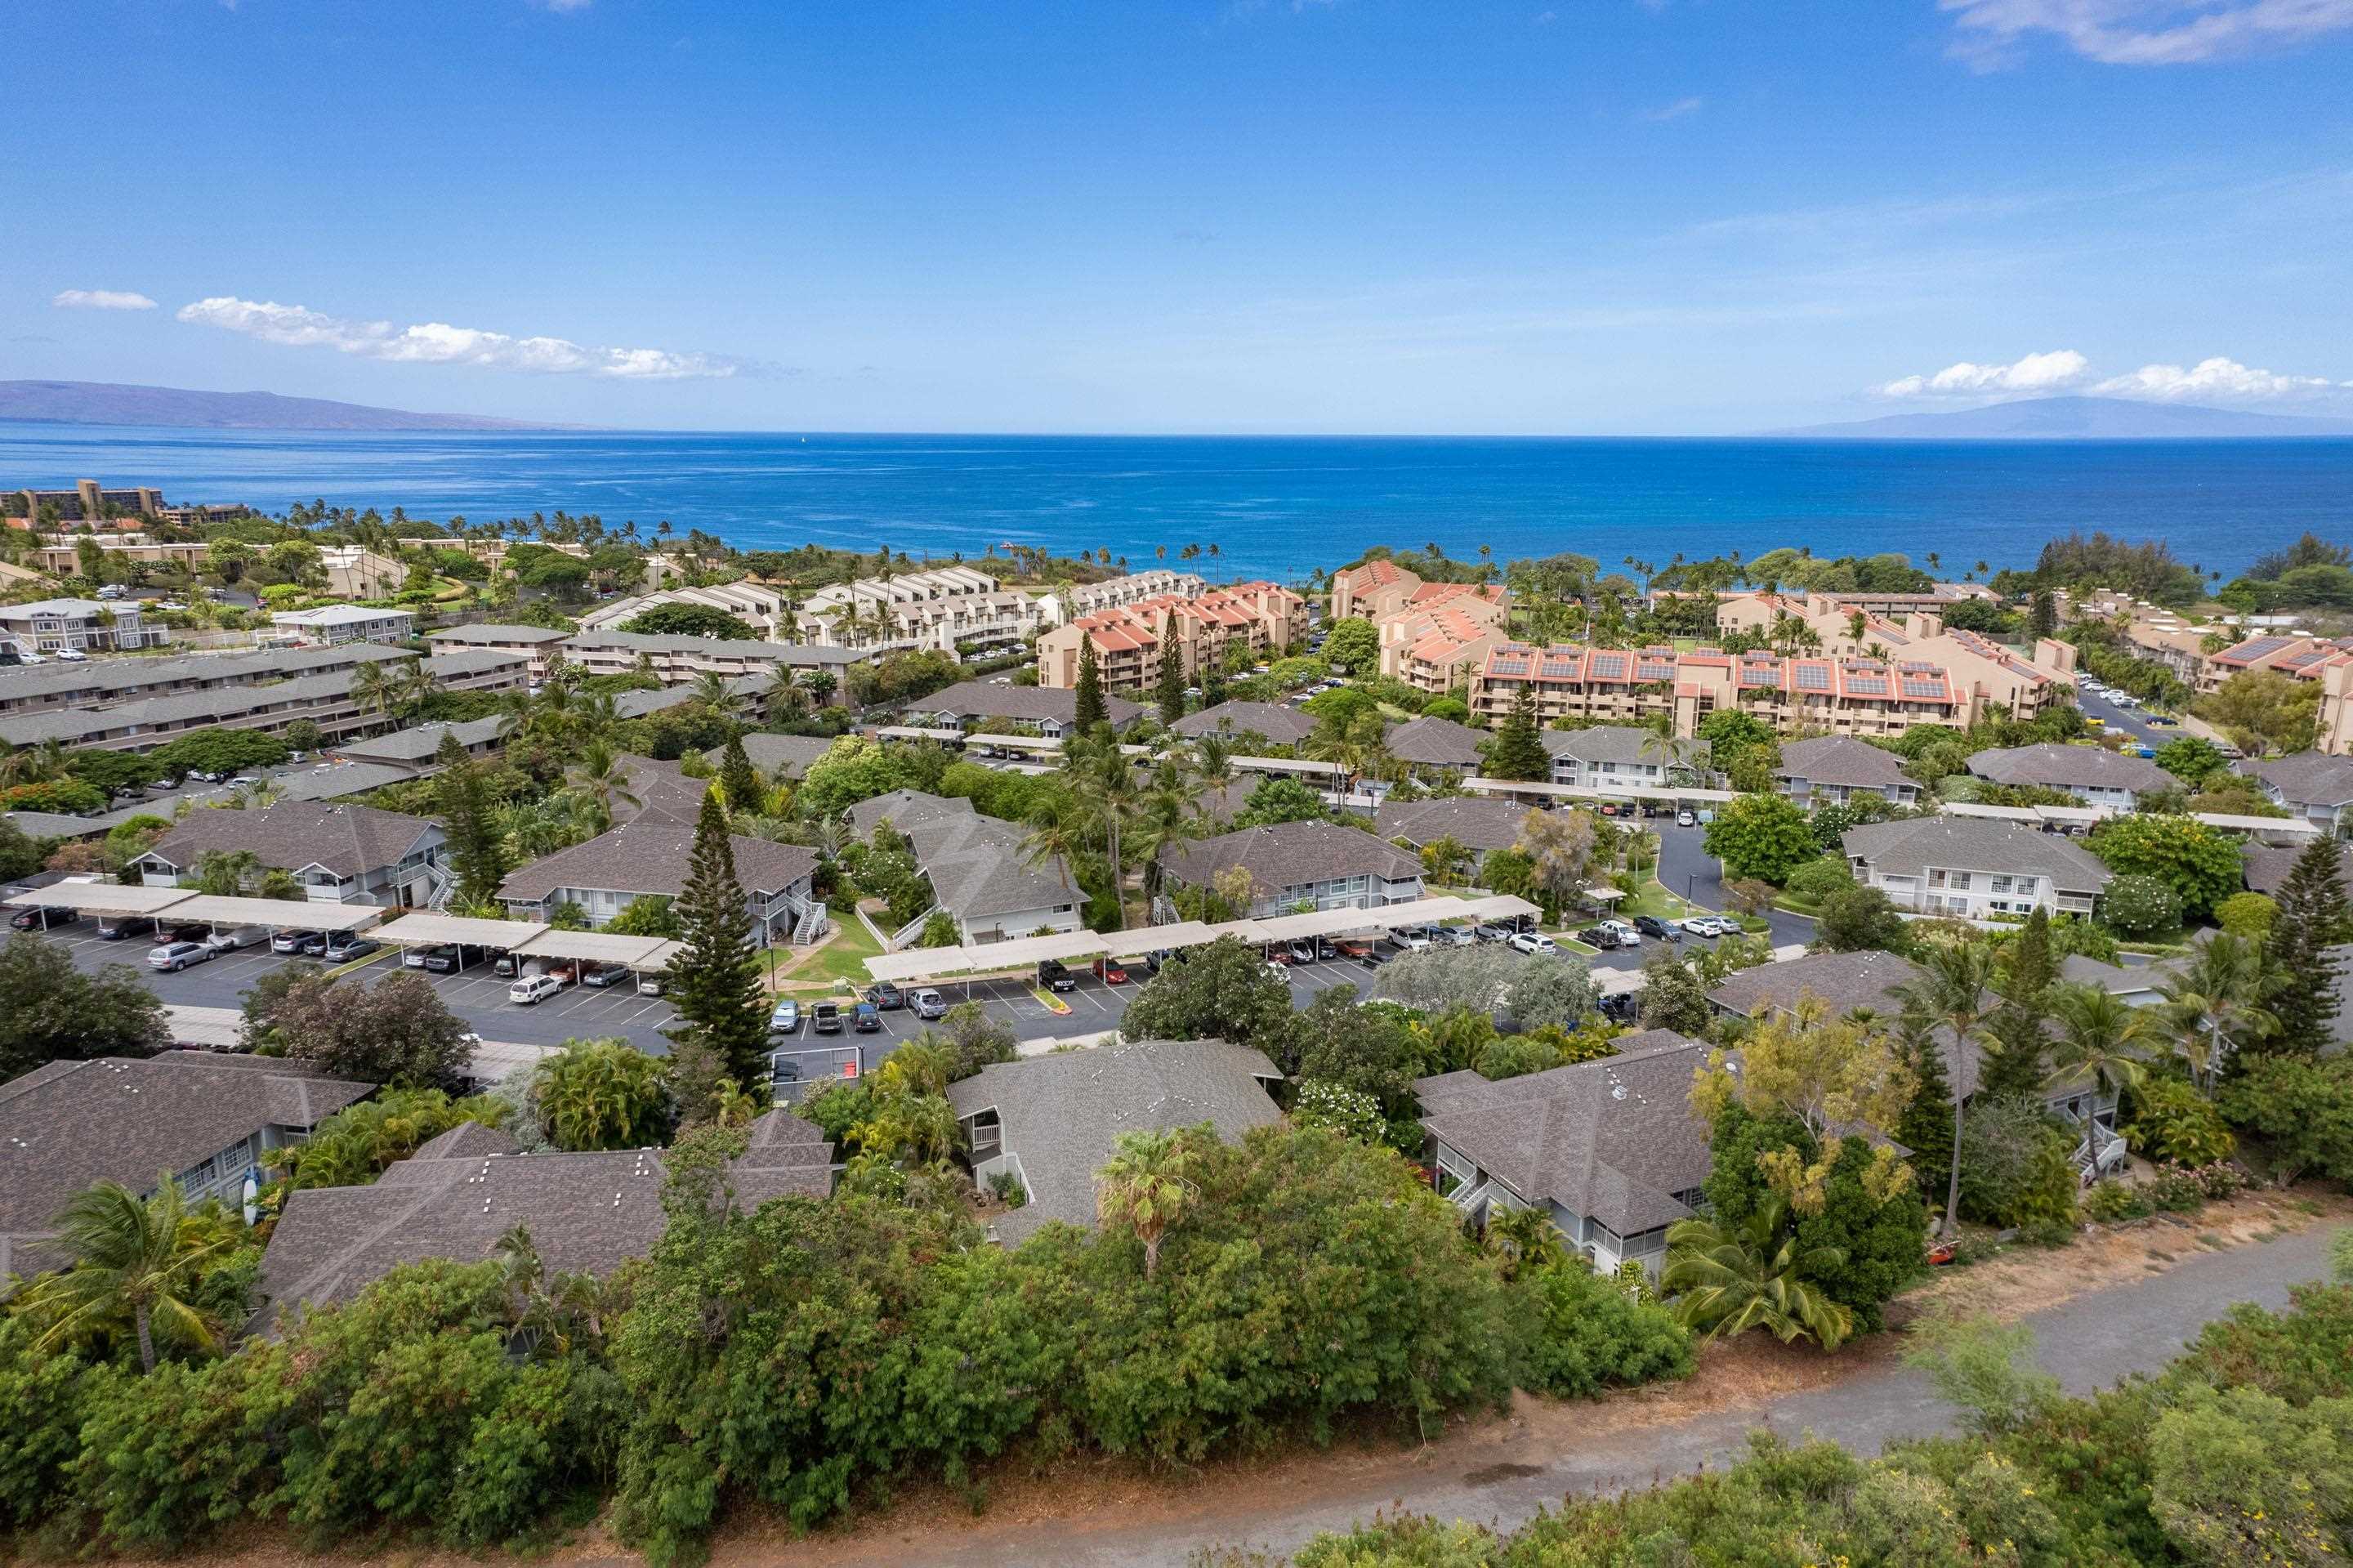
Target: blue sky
{"points": [[1553, 216]]}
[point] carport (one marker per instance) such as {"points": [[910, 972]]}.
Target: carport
{"points": [[429, 928], [278, 913], [613, 949], [103, 898], [919, 732], [2279, 830], [1661, 794], [934, 963], [1014, 742], [1159, 939]]}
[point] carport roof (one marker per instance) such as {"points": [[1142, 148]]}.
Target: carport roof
{"points": [[596, 947], [104, 897], [425, 928], [1153, 938], [917, 732], [923, 963], [1482, 785], [1500, 907], [310, 914]]}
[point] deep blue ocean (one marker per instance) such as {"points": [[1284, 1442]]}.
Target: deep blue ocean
{"points": [[1273, 506]]}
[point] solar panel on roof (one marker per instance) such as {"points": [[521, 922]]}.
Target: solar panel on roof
{"points": [[1609, 666], [1663, 671], [1813, 678], [1502, 666], [1760, 675], [1867, 685], [1924, 688]]}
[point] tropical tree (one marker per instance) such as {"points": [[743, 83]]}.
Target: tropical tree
{"points": [[714, 982], [1953, 991], [1146, 1187], [224, 872], [374, 689], [601, 1095], [601, 777], [2215, 1002], [712, 689], [1730, 1278], [131, 1257], [2100, 1039]]}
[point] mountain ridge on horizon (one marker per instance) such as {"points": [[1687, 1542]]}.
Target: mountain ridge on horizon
{"points": [[178, 408], [2071, 418]]}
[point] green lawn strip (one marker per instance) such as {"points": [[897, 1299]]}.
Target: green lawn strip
{"points": [[842, 956]]}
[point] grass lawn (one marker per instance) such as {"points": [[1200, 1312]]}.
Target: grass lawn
{"points": [[841, 957]]}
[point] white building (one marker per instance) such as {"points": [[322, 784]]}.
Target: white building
{"points": [[1134, 588], [79, 626], [335, 623], [940, 608], [1974, 867], [764, 609]]}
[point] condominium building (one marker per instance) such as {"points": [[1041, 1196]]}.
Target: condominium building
{"points": [[77, 626], [1439, 635], [1845, 626], [1134, 588], [330, 624], [1300, 865], [766, 610], [1973, 868], [1382, 587], [59, 555], [87, 502], [355, 571], [677, 660], [1130, 640], [1632, 686], [542, 645], [101, 683], [1832, 769], [944, 608]]}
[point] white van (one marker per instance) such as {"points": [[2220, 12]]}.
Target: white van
{"points": [[533, 989]]}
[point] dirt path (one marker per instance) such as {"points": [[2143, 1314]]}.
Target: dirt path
{"points": [[2120, 1301]]}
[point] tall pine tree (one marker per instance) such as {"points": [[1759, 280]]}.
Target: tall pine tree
{"points": [[1517, 751], [714, 981], [2313, 918], [478, 855], [738, 778], [1927, 1127], [1171, 686], [1087, 693], [2017, 1070]]}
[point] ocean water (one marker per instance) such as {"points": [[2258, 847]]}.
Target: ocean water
{"points": [[1273, 506]]}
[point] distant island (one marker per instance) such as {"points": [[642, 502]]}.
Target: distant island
{"points": [[2072, 419], [111, 403]]}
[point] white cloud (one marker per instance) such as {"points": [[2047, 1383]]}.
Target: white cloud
{"points": [[2035, 374], [561, 7], [100, 300], [1676, 110], [2219, 378], [436, 343], [2142, 32]]}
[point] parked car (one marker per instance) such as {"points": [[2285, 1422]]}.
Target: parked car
{"points": [[532, 989], [1109, 971], [230, 938], [1652, 926], [1620, 1008], [1492, 933], [450, 958], [115, 928], [1356, 949], [1534, 942], [1601, 936], [649, 985], [1055, 975], [174, 956], [1277, 954], [293, 941], [866, 1018], [1302, 952], [601, 975], [1627, 936], [1708, 926], [414, 958], [1325, 951], [786, 1019], [1412, 939], [1374, 956], [344, 947], [930, 1005], [825, 1018], [1686, 820], [1452, 935], [180, 931], [31, 919]]}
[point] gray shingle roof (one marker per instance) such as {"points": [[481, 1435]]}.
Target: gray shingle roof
{"points": [[1975, 844], [1281, 724], [495, 631], [2070, 768], [1062, 1115], [785, 756], [1614, 1139], [1287, 854], [801, 655], [107, 680], [1483, 824], [652, 855], [1841, 760], [978, 867], [585, 1213], [2307, 779], [2266, 867], [1603, 743], [1436, 743], [349, 841], [902, 808], [71, 1124], [1844, 980], [420, 742], [1023, 705]]}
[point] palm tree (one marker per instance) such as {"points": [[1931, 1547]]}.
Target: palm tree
{"points": [[596, 716], [1736, 1277], [413, 687], [1053, 837], [1145, 1187], [223, 873], [711, 690], [1953, 992], [1527, 1238], [135, 1256], [785, 694], [1104, 778], [601, 777], [2099, 1039], [1213, 761], [373, 689], [2215, 1003]]}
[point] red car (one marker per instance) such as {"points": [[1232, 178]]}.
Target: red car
{"points": [[1109, 972]]}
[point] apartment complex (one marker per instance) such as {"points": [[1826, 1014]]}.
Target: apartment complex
{"points": [[1436, 637], [1134, 588], [648, 857], [340, 855], [1263, 619], [764, 609], [97, 683], [2316, 784], [77, 626], [87, 502], [542, 645], [1832, 769], [2092, 773], [1974, 868], [677, 660], [1301, 865], [1381, 588], [980, 875], [941, 608], [1850, 626], [331, 624]]}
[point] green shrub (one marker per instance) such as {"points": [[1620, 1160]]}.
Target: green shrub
{"points": [[1591, 1333], [2138, 906], [1818, 879], [2173, 1121], [2111, 1203]]}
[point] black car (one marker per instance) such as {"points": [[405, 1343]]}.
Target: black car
{"points": [[1374, 956], [886, 996], [30, 919], [1601, 936], [1620, 1008], [1325, 951], [1054, 975], [1652, 926], [114, 927]]}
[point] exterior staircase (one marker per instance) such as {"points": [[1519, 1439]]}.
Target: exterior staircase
{"points": [[439, 885], [2101, 1153], [811, 925]]}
